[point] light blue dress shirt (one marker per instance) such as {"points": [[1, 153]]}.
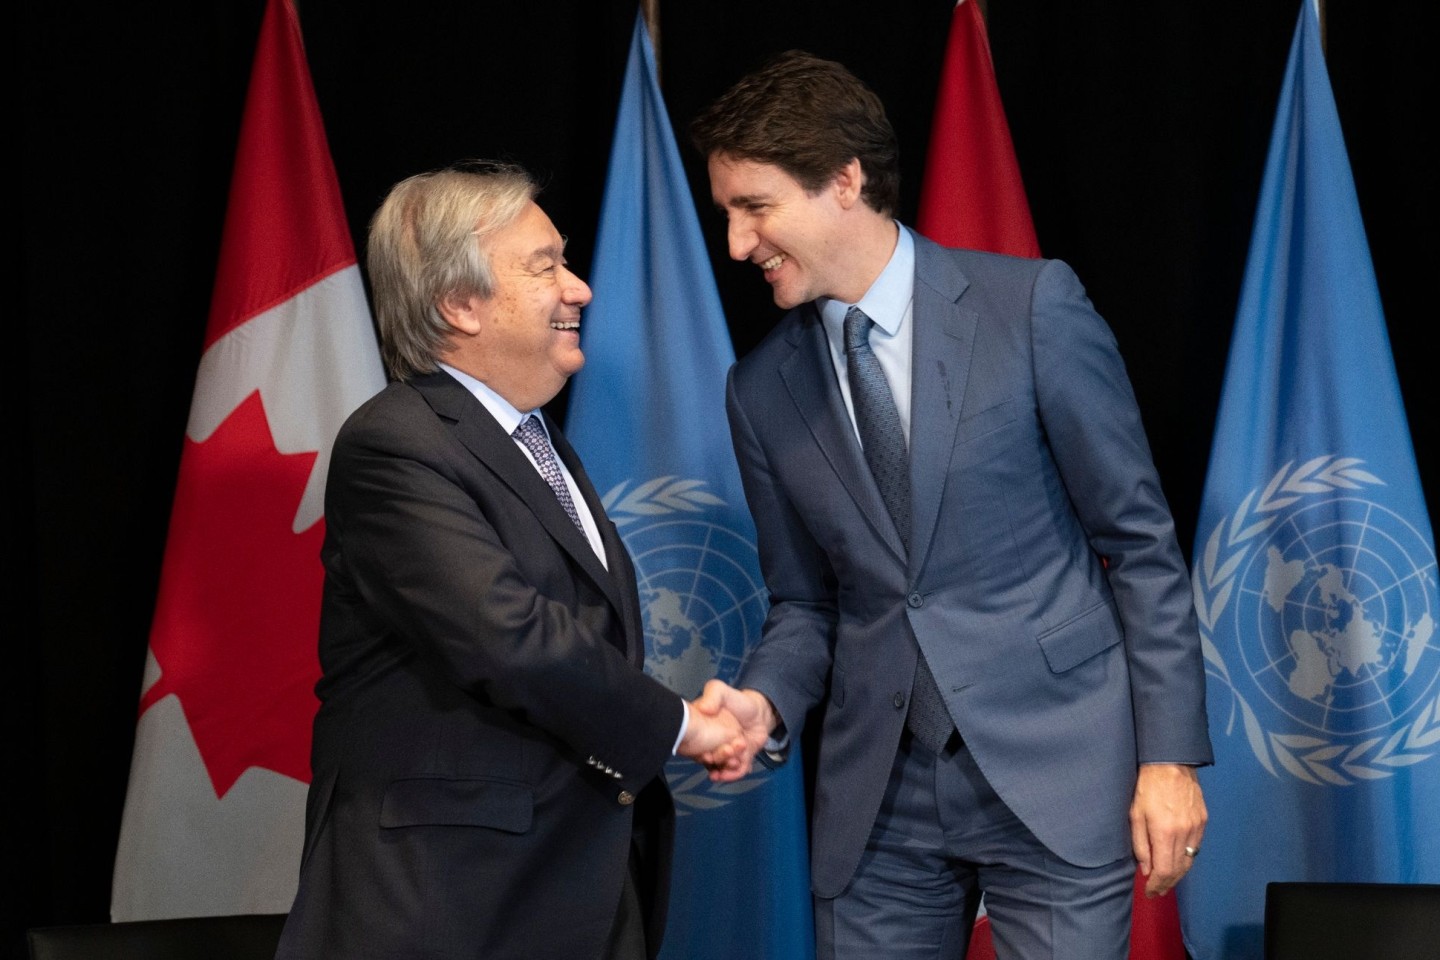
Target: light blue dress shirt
{"points": [[890, 302]]}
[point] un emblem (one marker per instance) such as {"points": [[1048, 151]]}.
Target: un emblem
{"points": [[1324, 603], [702, 600]]}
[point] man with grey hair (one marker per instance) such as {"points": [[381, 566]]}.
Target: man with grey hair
{"points": [[487, 759]]}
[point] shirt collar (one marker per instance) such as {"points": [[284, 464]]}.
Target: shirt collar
{"points": [[506, 415], [888, 297]]}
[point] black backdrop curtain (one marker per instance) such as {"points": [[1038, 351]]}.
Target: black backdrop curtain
{"points": [[1141, 129]]}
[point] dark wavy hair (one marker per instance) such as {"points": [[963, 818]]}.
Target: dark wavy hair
{"points": [[809, 117]]}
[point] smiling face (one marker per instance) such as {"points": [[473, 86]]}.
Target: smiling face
{"points": [[798, 239], [523, 341]]}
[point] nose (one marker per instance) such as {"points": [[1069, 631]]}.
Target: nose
{"points": [[741, 237], [575, 290]]}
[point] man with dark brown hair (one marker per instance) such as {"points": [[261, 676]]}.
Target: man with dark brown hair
{"points": [[972, 570]]}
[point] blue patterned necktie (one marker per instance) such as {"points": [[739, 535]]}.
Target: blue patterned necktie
{"points": [[878, 423], [533, 436]]}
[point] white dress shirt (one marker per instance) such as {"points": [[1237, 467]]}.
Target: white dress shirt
{"points": [[509, 419]]}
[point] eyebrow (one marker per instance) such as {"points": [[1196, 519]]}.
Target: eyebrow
{"points": [[552, 252], [743, 200]]}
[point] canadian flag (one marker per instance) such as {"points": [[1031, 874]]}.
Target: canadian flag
{"points": [[214, 814], [972, 196]]}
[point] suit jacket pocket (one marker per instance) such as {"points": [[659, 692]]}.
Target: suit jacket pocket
{"points": [[1080, 638], [435, 801], [984, 436], [973, 426]]}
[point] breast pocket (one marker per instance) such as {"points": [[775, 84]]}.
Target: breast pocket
{"points": [[436, 801], [983, 436]]}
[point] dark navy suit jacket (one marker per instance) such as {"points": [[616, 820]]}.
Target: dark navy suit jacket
{"points": [[486, 747]]}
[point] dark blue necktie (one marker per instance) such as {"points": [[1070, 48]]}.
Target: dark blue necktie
{"points": [[878, 423]]}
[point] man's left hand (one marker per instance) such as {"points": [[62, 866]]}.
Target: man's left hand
{"points": [[1167, 822]]}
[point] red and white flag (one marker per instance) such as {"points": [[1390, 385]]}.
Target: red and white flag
{"points": [[214, 814], [972, 196]]}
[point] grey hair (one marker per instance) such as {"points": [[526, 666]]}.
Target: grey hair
{"points": [[428, 242]]}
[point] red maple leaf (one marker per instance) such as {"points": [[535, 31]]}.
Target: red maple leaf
{"points": [[238, 610]]}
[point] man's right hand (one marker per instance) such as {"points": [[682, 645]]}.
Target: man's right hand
{"points": [[756, 717], [711, 737]]}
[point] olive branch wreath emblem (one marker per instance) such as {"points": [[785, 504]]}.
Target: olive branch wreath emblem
{"points": [[1308, 758], [690, 785], [656, 497]]}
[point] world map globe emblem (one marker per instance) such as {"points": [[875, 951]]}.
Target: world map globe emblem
{"points": [[1334, 620], [702, 601]]}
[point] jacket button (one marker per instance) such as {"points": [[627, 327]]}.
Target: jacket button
{"points": [[915, 600], [626, 798], [898, 700]]}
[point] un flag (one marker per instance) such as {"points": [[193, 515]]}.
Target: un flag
{"points": [[648, 417], [1314, 574]]}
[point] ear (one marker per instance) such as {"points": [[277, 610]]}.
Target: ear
{"points": [[848, 182], [464, 314]]}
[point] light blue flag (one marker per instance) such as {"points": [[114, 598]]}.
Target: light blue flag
{"points": [[647, 414], [1314, 572]]}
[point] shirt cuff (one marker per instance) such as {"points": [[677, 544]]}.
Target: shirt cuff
{"points": [[684, 725]]}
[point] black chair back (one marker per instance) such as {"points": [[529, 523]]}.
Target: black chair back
{"points": [[1352, 921], [248, 937]]}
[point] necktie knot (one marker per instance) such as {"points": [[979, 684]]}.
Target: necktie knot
{"points": [[857, 330], [530, 432]]}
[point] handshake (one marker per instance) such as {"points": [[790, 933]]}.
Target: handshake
{"points": [[727, 728]]}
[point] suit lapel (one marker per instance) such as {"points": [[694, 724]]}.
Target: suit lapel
{"points": [[615, 576], [483, 437], [809, 375], [944, 335]]}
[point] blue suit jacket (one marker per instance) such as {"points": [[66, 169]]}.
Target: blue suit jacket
{"points": [[1028, 465]]}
